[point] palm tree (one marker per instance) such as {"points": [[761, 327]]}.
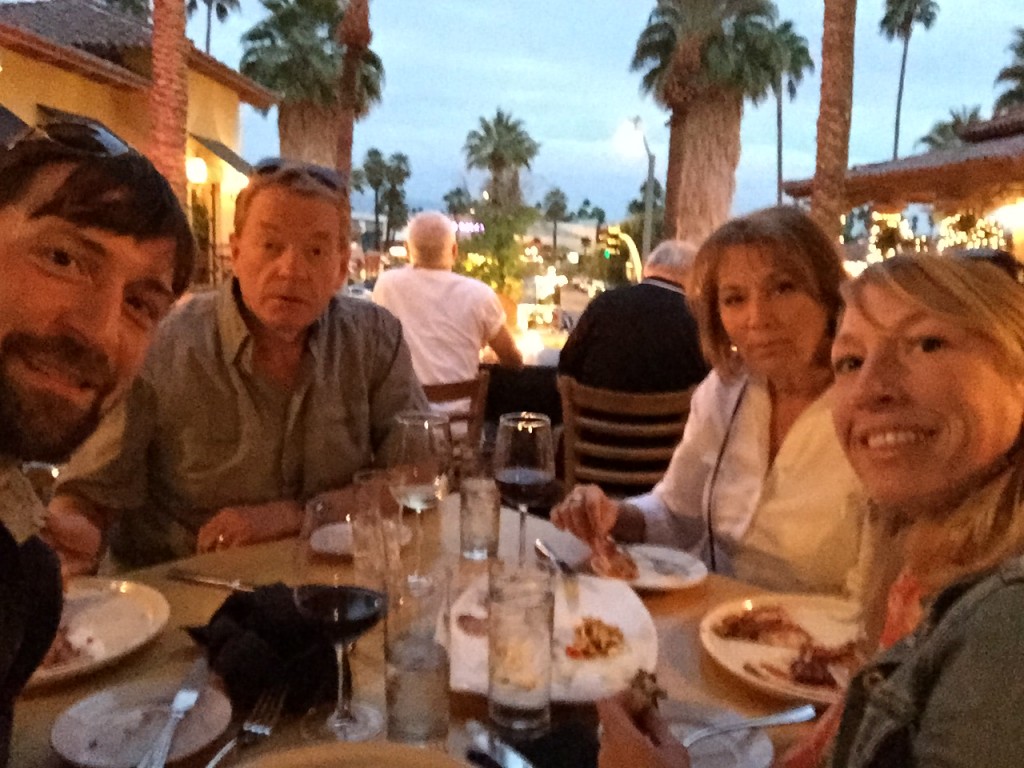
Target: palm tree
{"points": [[898, 22], [1012, 76], [291, 52], [375, 167], [501, 147], [828, 192], [396, 173], [945, 133], [168, 93], [353, 33], [555, 208], [457, 202], [701, 59], [794, 62], [221, 7]]}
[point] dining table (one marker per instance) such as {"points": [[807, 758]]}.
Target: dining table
{"points": [[684, 669]]}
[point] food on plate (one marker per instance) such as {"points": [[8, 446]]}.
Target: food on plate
{"points": [[595, 639], [476, 626], [610, 560], [767, 625], [62, 650], [643, 694], [815, 665]]}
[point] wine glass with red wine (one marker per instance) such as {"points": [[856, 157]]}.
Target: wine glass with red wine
{"points": [[524, 464], [326, 593]]}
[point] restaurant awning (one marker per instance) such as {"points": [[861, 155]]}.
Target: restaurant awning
{"points": [[225, 153]]}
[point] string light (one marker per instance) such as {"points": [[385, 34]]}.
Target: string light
{"points": [[890, 234], [965, 230]]}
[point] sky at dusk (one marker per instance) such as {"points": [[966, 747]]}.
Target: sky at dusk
{"points": [[562, 67]]}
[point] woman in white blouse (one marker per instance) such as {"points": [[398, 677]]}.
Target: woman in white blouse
{"points": [[759, 485]]}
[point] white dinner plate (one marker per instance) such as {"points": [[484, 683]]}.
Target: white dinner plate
{"points": [[115, 727], [105, 619], [663, 569], [829, 621], [687, 571], [353, 755], [572, 680], [336, 538], [736, 749]]}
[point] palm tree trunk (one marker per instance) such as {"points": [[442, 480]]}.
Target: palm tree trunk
{"points": [[354, 34], [376, 217], [710, 135], [778, 142], [673, 174], [554, 239], [828, 199], [899, 97], [209, 24], [306, 132], [168, 94]]}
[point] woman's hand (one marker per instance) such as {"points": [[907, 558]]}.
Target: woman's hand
{"points": [[586, 513], [625, 745], [249, 524]]}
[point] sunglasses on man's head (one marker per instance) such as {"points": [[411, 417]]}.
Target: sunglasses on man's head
{"points": [[78, 138], [326, 176], [1004, 260]]}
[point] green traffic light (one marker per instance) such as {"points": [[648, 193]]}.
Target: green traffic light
{"points": [[607, 253]]}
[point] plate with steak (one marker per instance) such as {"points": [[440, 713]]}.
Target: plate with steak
{"points": [[800, 647]]}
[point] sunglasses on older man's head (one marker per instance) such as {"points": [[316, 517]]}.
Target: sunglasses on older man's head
{"points": [[73, 136], [1004, 260], [326, 176]]}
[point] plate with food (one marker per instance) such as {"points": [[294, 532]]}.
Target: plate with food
{"points": [[800, 647], [599, 641], [116, 727], [336, 538], [647, 567], [103, 620]]}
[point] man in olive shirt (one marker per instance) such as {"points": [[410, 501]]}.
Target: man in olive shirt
{"points": [[253, 399]]}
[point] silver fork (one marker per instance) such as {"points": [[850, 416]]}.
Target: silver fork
{"points": [[258, 725]]}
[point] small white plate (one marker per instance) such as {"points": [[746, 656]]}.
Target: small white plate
{"points": [[115, 728], [336, 538], [737, 749], [683, 569], [105, 620], [830, 622]]}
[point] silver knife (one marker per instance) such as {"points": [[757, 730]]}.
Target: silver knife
{"points": [[194, 577], [184, 700], [570, 578], [495, 748]]}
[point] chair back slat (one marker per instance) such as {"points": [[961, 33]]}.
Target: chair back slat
{"points": [[475, 390], [619, 439]]}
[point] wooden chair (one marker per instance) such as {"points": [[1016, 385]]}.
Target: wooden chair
{"points": [[466, 438], [619, 440]]}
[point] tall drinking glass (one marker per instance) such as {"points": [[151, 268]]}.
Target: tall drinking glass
{"points": [[421, 451], [524, 464], [325, 593]]}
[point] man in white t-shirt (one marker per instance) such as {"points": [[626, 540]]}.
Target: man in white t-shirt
{"points": [[446, 318]]}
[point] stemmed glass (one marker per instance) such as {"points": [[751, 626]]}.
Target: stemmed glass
{"points": [[325, 593], [421, 449], [524, 463]]}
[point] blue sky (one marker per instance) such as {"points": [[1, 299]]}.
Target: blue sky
{"points": [[562, 67]]}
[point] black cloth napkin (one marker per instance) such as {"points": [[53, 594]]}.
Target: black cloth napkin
{"points": [[257, 640], [568, 745]]}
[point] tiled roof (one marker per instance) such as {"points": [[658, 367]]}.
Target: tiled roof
{"points": [[948, 161], [87, 24], [1001, 126]]}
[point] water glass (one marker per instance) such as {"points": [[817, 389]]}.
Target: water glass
{"points": [[479, 517], [416, 655], [376, 522], [522, 608]]}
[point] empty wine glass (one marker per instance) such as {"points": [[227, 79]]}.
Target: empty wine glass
{"points": [[421, 449], [524, 464], [325, 593]]}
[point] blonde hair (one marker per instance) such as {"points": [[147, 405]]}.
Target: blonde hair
{"points": [[791, 239], [303, 179], [986, 526]]}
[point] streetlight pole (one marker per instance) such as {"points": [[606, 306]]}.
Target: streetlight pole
{"points": [[648, 190]]}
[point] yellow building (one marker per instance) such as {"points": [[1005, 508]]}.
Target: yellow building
{"points": [[79, 58]]}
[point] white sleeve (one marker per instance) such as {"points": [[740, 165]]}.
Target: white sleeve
{"points": [[492, 315], [673, 510]]}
